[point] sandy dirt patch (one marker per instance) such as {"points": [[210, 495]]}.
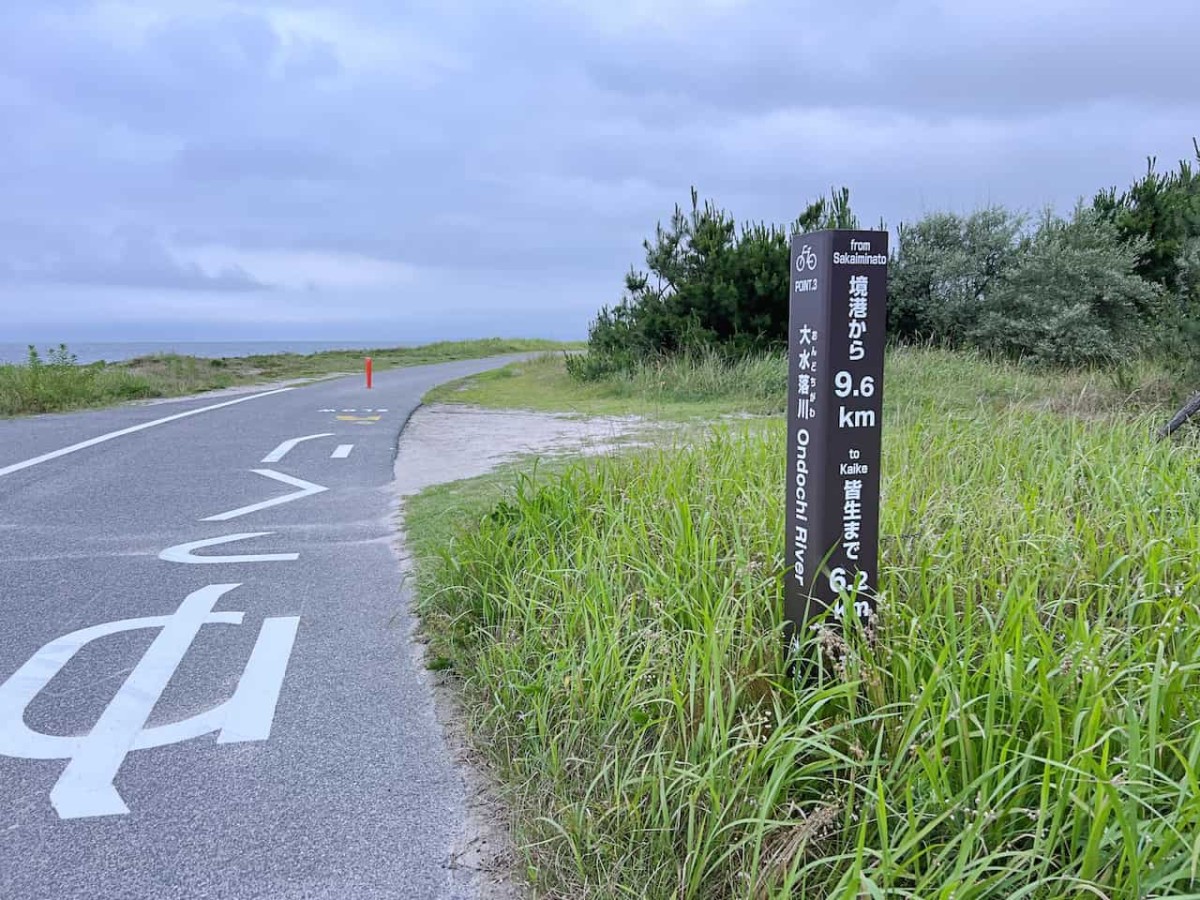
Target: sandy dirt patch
{"points": [[445, 442]]}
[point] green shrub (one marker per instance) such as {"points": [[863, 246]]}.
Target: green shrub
{"points": [[1072, 298], [944, 267], [1161, 210], [57, 381], [710, 286], [1065, 294], [1160, 214]]}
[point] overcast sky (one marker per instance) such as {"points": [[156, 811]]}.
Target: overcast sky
{"points": [[413, 170]]}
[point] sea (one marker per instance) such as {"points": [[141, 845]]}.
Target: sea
{"points": [[87, 352]]}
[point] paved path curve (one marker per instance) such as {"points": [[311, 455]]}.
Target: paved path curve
{"points": [[206, 684]]}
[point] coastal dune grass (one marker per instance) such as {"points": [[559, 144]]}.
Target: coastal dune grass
{"points": [[703, 384], [1023, 723], [28, 389], [706, 385], [58, 383]]}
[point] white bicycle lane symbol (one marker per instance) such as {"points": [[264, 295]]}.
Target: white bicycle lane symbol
{"points": [[85, 788]]}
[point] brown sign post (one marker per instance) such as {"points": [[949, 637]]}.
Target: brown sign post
{"points": [[835, 409]]}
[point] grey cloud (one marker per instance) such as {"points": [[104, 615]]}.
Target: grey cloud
{"points": [[534, 145], [130, 260], [920, 57], [237, 157]]}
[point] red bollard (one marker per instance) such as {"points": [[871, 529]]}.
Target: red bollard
{"points": [[368, 373]]}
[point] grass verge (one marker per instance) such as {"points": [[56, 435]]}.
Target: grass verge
{"points": [[61, 384], [708, 387], [1024, 726], [678, 389]]}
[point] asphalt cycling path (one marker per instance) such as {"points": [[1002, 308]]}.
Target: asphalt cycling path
{"points": [[207, 682]]}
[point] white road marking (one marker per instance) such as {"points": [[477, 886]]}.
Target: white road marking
{"points": [[92, 442], [85, 788], [342, 451], [182, 553], [286, 447], [305, 489], [250, 712]]}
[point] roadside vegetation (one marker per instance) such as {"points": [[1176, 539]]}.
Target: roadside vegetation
{"points": [[705, 385], [1021, 722], [670, 387], [1115, 280], [55, 381]]}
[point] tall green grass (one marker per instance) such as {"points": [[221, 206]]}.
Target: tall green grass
{"points": [[701, 385], [758, 384], [1023, 726], [288, 365], [709, 385], [26, 389], [58, 383]]}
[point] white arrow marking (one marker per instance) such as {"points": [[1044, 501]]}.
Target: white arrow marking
{"points": [[286, 447], [182, 553], [304, 489], [342, 451]]}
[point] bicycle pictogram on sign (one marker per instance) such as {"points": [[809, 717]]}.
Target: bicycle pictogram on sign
{"points": [[806, 259]]}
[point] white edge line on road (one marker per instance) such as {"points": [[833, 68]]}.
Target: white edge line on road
{"points": [[92, 442], [286, 447], [342, 451]]}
